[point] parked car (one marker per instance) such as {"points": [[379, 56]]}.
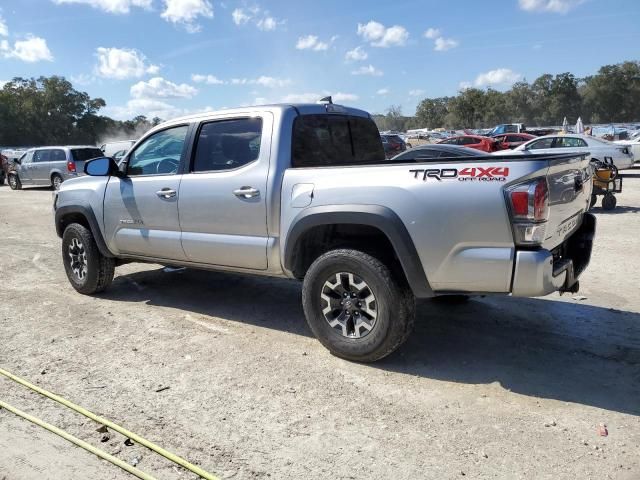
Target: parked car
{"points": [[304, 191], [486, 144], [633, 144], [50, 166], [392, 144], [110, 149], [513, 140], [4, 168], [620, 154], [432, 152]]}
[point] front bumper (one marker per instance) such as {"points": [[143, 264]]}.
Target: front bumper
{"points": [[541, 272]]}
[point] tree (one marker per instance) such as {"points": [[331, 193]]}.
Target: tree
{"points": [[431, 112]]}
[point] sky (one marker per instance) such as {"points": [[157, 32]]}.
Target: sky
{"points": [[172, 57]]}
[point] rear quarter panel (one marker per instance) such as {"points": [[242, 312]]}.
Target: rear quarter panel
{"points": [[460, 225]]}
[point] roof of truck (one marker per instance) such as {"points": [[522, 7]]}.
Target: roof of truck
{"points": [[302, 108]]}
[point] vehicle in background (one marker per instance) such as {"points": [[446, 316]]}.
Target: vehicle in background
{"points": [[50, 166], [512, 140], [486, 144], [519, 128], [4, 168], [393, 145], [430, 152], [109, 149], [574, 143], [304, 192], [633, 144]]}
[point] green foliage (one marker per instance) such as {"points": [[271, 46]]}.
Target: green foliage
{"points": [[49, 111], [612, 95]]}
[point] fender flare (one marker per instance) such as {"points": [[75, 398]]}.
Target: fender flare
{"points": [[87, 212], [377, 216]]}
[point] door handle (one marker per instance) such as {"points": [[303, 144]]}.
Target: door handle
{"points": [[246, 192], [166, 193]]}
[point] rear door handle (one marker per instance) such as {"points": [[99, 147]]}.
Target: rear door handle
{"points": [[246, 192], [166, 193]]}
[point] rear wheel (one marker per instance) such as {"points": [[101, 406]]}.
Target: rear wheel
{"points": [[355, 307], [87, 269], [609, 201], [14, 182], [56, 181]]}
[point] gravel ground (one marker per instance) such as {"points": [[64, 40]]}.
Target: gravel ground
{"points": [[496, 388]]}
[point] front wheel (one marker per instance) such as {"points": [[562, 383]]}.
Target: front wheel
{"points": [[355, 306], [14, 182], [87, 269], [609, 201]]}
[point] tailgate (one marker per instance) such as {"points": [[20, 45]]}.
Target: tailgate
{"points": [[569, 181]]}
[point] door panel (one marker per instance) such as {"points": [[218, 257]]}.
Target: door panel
{"points": [[222, 203], [40, 169], [25, 170], [141, 209]]}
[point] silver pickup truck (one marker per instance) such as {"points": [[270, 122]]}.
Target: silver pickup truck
{"points": [[305, 192]]}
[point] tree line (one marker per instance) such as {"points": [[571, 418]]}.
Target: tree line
{"points": [[611, 95], [49, 111]]}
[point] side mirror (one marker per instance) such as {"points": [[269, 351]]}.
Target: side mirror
{"points": [[101, 167]]}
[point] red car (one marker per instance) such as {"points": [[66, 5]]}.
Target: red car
{"points": [[512, 140], [486, 144]]}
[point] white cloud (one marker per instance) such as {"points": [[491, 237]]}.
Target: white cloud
{"points": [[122, 63], [383, 91], [186, 12], [151, 108], [443, 44], [500, 77], [311, 42], [344, 97], [4, 30], [267, 24], [158, 87], [110, 6], [464, 85], [31, 50], [555, 6], [368, 70], [240, 17], [263, 80], [208, 79], [416, 92], [380, 36], [262, 19], [356, 55], [432, 33], [82, 79]]}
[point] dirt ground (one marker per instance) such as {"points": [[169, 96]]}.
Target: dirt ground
{"points": [[496, 388]]}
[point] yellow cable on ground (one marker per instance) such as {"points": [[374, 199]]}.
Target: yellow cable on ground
{"points": [[136, 438], [78, 442]]}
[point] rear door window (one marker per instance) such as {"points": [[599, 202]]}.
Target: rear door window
{"points": [[542, 143], [227, 144], [57, 155], [331, 140], [570, 142], [468, 141]]}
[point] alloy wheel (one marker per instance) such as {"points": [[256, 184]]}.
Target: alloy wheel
{"points": [[349, 305], [78, 256]]}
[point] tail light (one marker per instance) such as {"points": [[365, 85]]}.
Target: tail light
{"points": [[71, 166], [529, 207]]}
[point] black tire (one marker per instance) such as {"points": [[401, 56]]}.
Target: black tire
{"points": [[98, 269], [394, 304], [14, 182], [56, 181], [609, 201], [2, 175], [592, 202]]}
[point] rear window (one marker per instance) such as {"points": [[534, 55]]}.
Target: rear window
{"points": [[84, 154], [334, 140]]}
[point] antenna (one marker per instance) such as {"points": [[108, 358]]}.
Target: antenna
{"points": [[326, 100]]}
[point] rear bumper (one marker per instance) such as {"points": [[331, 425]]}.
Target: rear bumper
{"points": [[541, 272]]}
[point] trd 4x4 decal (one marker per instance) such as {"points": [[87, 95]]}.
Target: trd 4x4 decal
{"points": [[467, 174]]}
